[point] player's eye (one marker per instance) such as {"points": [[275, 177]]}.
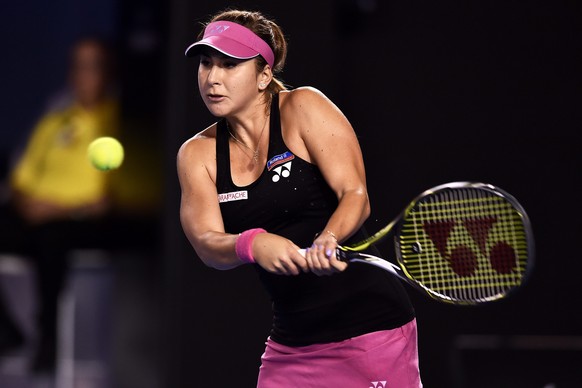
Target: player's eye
{"points": [[230, 64], [204, 61]]}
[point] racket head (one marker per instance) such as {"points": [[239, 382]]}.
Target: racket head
{"points": [[465, 243]]}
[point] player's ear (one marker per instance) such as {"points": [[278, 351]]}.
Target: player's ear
{"points": [[265, 77]]}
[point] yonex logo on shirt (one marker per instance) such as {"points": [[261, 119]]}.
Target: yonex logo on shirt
{"points": [[282, 171], [280, 165], [233, 196], [378, 384]]}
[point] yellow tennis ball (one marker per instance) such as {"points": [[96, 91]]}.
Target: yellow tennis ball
{"points": [[105, 153]]}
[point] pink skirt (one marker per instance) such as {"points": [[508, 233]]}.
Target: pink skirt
{"points": [[382, 359]]}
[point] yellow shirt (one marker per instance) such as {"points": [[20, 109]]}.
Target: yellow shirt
{"points": [[55, 167]]}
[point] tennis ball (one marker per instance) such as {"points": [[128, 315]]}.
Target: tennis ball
{"points": [[105, 153]]}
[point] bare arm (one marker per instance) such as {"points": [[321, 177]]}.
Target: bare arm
{"points": [[199, 210], [331, 144], [202, 220]]}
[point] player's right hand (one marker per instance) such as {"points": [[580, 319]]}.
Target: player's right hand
{"points": [[278, 255]]}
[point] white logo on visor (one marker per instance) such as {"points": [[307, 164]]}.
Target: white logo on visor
{"points": [[233, 196], [218, 29]]}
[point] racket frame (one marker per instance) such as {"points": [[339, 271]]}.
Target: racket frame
{"points": [[353, 253]]}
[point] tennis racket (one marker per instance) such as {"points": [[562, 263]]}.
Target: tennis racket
{"points": [[461, 242]]}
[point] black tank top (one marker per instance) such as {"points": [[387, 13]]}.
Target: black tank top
{"points": [[291, 198]]}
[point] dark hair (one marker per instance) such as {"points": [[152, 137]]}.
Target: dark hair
{"points": [[268, 31]]}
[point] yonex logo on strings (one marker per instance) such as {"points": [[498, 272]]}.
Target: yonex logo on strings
{"points": [[461, 258], [378, 384]]}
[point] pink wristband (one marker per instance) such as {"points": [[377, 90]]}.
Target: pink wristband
{"points": [[244, 244]]}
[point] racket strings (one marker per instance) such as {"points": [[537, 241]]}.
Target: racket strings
{"points": [[466, 244]]}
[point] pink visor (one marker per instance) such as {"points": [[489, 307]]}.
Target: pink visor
{"points": [[233, 40]]}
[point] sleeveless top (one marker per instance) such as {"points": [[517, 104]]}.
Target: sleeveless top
{"points": [[291, 199]]}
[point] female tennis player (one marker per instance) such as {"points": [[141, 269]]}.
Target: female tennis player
{"points": [[278, 168]]}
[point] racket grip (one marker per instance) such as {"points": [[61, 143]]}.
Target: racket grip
{"points": [[342, 255]]}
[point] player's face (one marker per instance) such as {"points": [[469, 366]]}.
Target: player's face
{"points": [[227, 85]]}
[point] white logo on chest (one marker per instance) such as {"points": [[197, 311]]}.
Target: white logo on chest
{"points": [[283, 170], [233, 196]]}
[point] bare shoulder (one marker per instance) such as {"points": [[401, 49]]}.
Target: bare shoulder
{"points": [[309, 121], [199, 144], [305, 98], [308, 107], [199, 153]]}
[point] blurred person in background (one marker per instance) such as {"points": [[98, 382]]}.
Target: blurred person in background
{"points": [[57, 200]]}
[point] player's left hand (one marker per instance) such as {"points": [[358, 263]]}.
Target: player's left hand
{"points": [[321, 258]]}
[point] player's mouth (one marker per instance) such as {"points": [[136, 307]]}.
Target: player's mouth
{"points": [[215, 97]]}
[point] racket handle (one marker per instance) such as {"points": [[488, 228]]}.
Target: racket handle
{"points": [[342, 255]]}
